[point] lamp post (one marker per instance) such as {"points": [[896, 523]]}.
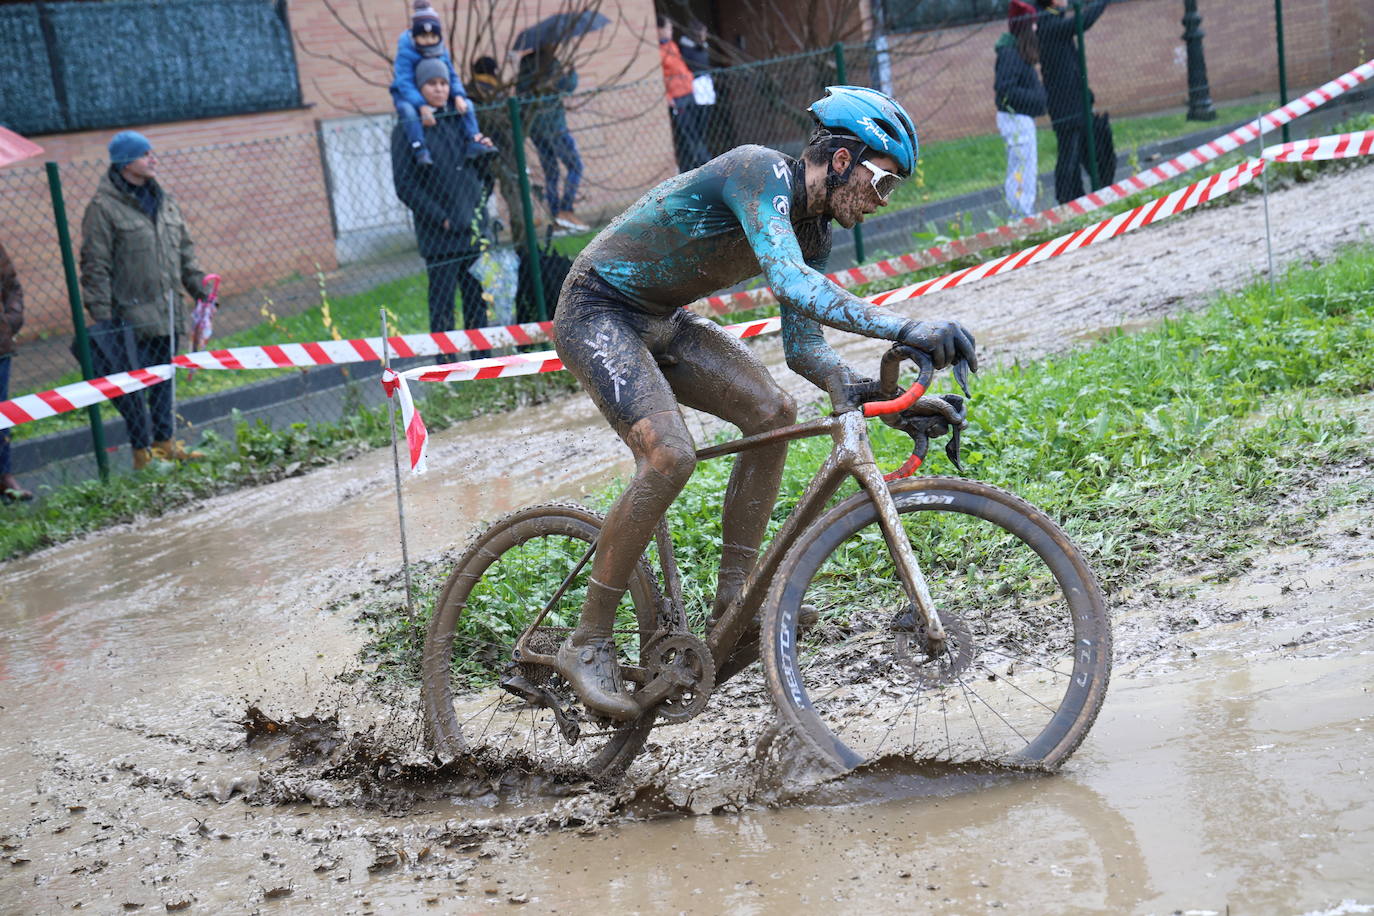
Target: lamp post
{"points": [[1199, 94]]}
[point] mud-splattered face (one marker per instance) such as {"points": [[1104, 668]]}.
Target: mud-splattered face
{"points": [[856, 198]]}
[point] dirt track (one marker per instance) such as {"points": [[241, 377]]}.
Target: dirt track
{"points": [[132, 658]]}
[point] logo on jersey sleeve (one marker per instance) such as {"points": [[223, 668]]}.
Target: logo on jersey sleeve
{"points": [[782, 204], [781, 170]]}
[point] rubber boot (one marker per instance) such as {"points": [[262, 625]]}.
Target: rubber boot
{"points": [[142, 458], [590, 667], [174, 450]]}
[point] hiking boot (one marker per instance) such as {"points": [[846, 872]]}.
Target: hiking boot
{"points": [[174, 450], [11, 491], [592, 671], [142, 458]]}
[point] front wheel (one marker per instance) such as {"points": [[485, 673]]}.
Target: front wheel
{"points": [[1025, 669]]}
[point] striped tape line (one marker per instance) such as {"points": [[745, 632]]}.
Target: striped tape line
{"points": [[330, 352], [1162, 208]]}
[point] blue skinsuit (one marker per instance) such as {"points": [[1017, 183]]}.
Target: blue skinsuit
{"points": [[738, 215], [621, 330]]}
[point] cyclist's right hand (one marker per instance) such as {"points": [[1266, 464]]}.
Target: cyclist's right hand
{"points": [[947, 342]]}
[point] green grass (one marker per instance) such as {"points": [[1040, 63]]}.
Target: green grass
{"points": [[1189, 435]]}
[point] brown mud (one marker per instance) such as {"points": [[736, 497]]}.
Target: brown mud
{"points": [[180, 733]]}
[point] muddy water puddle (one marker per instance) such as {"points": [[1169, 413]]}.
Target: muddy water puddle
{"points": [[1227, 770]]}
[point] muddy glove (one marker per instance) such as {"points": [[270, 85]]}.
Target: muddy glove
{"points": [[947, 342]]}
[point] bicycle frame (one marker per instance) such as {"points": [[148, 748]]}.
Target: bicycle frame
{"points": [[851, 456]]}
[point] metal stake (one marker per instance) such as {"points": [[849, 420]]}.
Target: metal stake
{"points": [[396, 464], [1264, 189], [171, 355]]}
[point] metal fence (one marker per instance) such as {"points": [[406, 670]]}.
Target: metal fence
{"points": [[312, 239]]}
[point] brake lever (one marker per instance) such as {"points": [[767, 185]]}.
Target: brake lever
{"points": [[961, 375]]}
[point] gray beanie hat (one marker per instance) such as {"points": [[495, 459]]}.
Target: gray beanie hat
{"points": [[428, 69]]}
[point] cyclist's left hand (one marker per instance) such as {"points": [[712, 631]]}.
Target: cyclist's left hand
{"points": [[947, 342]]}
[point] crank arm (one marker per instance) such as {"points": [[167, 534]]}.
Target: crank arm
{"points": [[662, 687]]}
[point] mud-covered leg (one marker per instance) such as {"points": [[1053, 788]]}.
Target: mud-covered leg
{"points": [[717, 374], [608, 349]]}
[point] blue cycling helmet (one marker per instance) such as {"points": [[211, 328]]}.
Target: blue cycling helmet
{"points": [[875, 119]]}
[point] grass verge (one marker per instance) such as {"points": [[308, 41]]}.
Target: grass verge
{"points": [[1170, 443]]}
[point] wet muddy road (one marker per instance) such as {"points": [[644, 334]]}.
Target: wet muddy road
{"points": [[1229, 767]]}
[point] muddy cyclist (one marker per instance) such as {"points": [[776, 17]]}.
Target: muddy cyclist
{"points": [[622, 331]]}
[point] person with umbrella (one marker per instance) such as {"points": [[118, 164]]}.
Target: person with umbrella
{"points": [[542, 80]]}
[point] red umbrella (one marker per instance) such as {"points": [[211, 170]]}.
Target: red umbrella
{"points": [[14, 147]]}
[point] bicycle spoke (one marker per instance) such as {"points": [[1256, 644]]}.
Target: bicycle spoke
{"points": [[1013, 685], [1031, 662], [963, 688], [991, 709]]}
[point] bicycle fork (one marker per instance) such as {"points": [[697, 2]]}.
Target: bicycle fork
{"points": [[857, 455]]}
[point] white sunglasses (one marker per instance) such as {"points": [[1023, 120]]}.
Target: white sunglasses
{"points": [[884, 182]]}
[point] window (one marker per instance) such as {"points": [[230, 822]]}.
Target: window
{"points": [[78, 66], [916, 15]]}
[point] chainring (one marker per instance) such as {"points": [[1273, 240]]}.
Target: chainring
{"points": [[944, 667], [681, 653]]}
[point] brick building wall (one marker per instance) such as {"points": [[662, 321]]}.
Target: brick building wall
{"points": [[1136, 58], [256, 194]]}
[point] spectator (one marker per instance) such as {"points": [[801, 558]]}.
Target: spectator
{"points": [[136, 256], [425, 41], [678, 80], [449, 203], [1020, 100], [1056, 32], [697, 55], [486, 89], [11, 320], [544, 79]]}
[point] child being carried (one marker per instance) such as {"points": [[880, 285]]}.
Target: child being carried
{"points": [[422, 41]]}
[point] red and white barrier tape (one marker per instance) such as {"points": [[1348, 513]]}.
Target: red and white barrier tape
{"points": [[1335, 147], [366, 349], [79, 394], [411, 422], [1002, 235], [331, 352]]}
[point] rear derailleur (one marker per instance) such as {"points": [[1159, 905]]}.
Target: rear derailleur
{"points": [[515, 683]]}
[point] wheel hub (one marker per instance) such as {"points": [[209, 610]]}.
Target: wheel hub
{"points": [[933, 664]]}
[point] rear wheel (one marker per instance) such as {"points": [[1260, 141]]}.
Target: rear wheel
{"points": [[1025, 669], [499, 585]]}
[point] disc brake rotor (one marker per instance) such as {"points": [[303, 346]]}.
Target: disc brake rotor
{"points": [[947, 664]]}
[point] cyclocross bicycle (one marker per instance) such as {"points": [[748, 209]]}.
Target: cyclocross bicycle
{"points": [[937, 617]]}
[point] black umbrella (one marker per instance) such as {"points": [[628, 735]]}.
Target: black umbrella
{"points": [[559, 27]]}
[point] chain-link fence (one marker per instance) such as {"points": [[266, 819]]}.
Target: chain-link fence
{"points": [[314, 234]]}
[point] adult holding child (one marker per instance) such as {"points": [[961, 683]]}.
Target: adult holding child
{"points": [[448, 199], [423, 41]]}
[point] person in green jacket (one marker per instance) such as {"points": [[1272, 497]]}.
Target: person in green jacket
{"points": [[136, 259]]}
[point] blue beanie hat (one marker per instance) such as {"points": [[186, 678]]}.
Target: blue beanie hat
{"points": [[127, 146]]}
